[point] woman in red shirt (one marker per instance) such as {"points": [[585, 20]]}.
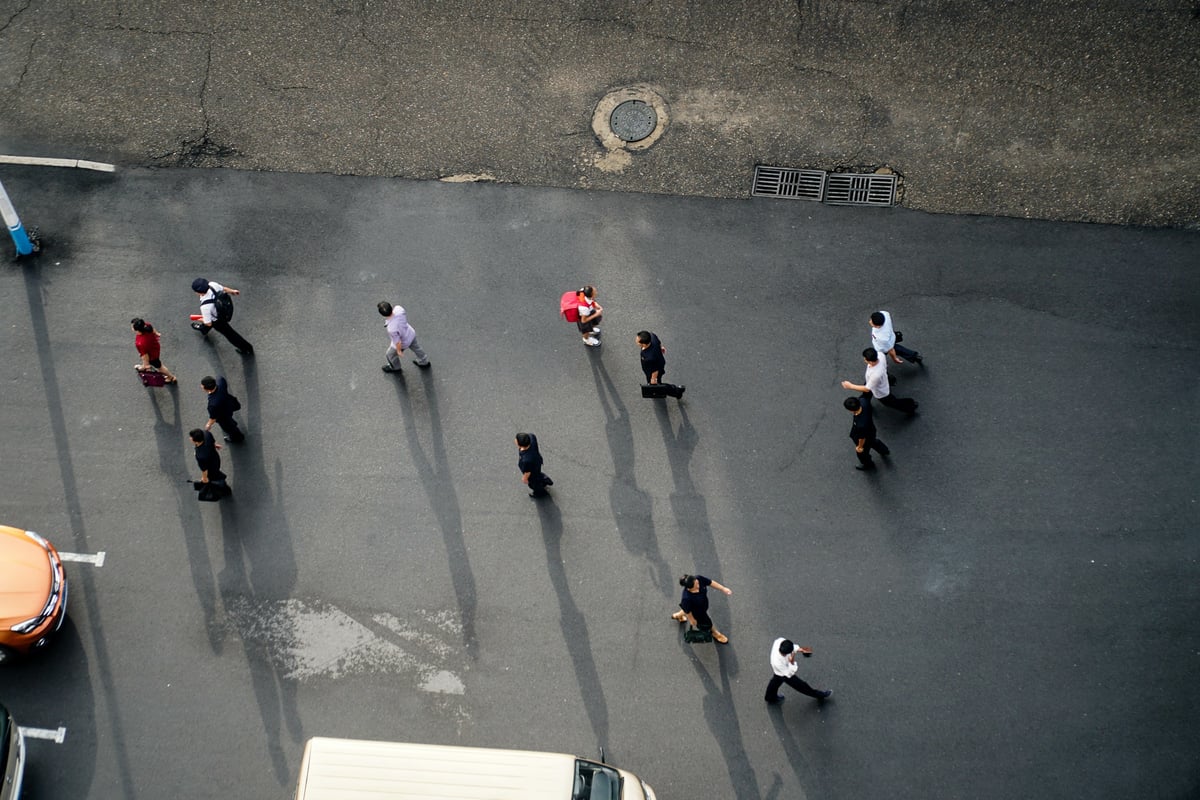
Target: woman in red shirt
{"points": [[146, 342]]}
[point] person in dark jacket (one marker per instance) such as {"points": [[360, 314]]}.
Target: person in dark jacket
{"points": [[212, 479], [529, 462], [654, 363], [693, 604], [221, 405], [862, 431]]}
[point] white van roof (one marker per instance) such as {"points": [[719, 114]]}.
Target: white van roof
{"points": [[353, 769]]}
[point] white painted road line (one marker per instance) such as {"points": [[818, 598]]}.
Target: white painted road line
{"points": [[44, 733], [38, 161], [86, 558]]}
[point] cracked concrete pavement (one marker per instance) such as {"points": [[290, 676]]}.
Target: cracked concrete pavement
{"points": [[1058, 110]]}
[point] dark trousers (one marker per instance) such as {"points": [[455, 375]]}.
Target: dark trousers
{"points": [[905, 353], [905, 404], [538, 483], [864, 457], [794, 682], [230, 426], [587, 327], [235, 338]]}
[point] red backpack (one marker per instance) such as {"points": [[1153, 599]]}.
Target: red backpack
{"points": [[569, 306]]}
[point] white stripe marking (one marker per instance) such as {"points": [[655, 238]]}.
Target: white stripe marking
{"points": [[44, 733], [38, 161], [86, 558]]}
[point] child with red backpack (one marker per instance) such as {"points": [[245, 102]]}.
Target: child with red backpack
{"points": [[581, 308]]}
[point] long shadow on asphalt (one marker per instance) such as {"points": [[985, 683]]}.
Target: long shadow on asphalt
{"points": [[631, 506], [439, 487], [83, 584], [720, 713], [174, 455], [574, 626], [260, 572], [688, 505]]}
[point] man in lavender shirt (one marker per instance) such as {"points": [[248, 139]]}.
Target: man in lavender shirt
{"points": [[402, 336]]}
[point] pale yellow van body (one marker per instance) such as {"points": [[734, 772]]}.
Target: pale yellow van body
{"points": [[354, 769]]}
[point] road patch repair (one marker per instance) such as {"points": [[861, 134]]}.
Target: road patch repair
{"points": [[626, 121], [312, 640]]}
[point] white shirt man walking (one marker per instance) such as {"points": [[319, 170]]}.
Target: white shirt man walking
{"points": [[885, 340], [876, 384], [783, 664]]}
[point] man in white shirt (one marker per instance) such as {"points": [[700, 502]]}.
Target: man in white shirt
{"points": [[876, 384], [883, 337], [209, 319], [783, 664]]}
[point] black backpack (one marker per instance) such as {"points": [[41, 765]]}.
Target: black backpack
{"points": [[224, 305]]}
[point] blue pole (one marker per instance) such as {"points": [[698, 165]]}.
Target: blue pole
{"points": [[15, 228]]}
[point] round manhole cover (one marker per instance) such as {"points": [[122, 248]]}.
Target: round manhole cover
{"points": [[633, 120]]}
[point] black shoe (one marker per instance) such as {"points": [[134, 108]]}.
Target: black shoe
{"points": [[245, 351], [390, 368], [679, 392], [549, 481], [426, 365], [865, 467], [199, 326], [918, 359], [776, 699], [825, 695]]}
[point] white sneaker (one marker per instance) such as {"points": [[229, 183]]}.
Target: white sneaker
{"points": [[592, 341], [596, 329]]}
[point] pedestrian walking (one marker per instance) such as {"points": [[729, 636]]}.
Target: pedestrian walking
{"points": [[783, 664], [654, 366], [221, 405], [212, 484], [402, 335], [887, 340], [146, 340], [216, 309], [529, 462], [693, 604], [590, 315], [862, 431], [877, 385]]}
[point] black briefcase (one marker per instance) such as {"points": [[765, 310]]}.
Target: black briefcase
{"points": [[657, 390]]}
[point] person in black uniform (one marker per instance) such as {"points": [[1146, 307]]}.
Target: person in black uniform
{"points": [[529, 462], [862, 431], [221, 405], [212, 479], [654, 363], [693, 604]]}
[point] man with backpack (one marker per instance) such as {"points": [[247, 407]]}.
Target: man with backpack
{"points": [[216, 309]]}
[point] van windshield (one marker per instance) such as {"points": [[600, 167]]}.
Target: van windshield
{"points": [[595, 781]]}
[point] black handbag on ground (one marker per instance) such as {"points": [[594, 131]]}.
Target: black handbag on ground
{"points": [[697, 636]]}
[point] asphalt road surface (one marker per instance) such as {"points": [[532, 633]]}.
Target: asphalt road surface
{"points": [[1005, 609], [1047, 109]]}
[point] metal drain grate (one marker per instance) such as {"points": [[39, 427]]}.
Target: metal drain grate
{"points": [[800, 184], [835, 188], [847, 189]]}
